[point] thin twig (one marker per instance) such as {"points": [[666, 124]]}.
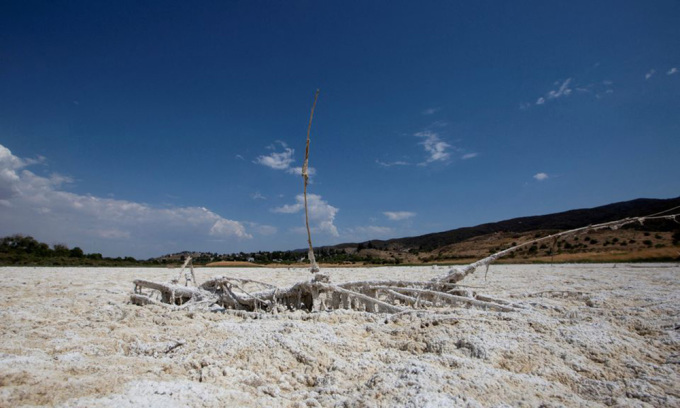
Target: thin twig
{"points": [[305, 176]]}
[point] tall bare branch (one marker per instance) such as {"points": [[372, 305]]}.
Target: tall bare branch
{"points": [[305, 176]]}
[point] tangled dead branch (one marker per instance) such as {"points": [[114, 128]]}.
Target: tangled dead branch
{"points": [[394, 297]]}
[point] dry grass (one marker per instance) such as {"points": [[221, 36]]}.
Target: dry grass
{"points": [[623, 245], [651, 254]]}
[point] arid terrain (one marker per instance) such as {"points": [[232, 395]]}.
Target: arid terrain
{"points": [[586, 336]]}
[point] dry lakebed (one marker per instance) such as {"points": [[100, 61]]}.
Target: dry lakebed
{"points": [[587, 335]]}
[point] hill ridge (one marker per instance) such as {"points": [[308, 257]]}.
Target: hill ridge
{"points": [[563, 220]]}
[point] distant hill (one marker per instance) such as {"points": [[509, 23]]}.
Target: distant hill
{"points": [[558, 221]]}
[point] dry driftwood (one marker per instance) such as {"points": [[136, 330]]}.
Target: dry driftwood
{"points": [[319, 294]]}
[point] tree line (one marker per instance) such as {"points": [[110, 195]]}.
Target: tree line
{"points": [[23, 250]]}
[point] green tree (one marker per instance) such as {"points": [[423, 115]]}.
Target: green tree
{"points": [[76, 253], [61, 250]]}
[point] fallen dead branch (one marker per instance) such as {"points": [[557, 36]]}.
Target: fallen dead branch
{"points": [[373, 296]]}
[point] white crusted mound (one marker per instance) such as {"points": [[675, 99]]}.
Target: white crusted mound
{"points": [[588, 335]]}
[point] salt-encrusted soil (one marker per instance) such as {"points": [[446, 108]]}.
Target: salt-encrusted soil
{"points": [[590, 335]]}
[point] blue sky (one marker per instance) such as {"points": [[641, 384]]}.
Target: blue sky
{"points": [[144, 128]]}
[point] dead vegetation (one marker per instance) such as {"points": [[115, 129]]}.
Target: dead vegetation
{"points": [[438, 296]]}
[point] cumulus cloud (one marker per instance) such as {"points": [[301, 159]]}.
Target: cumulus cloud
{"points": [[469, 156], [229, 228], [262, 229], [650, 74], [672, 71], [9, 179], [37, 205], [541, 176], [398, 215], [436, 148], [282, 160], [277, 160], [321, 214]]}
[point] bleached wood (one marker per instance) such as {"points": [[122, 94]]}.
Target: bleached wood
{"points": [[375, 296]]}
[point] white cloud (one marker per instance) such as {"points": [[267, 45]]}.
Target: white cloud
{"points": [[298, 171], [541, 176], [598, 89], [398, 215], [321, 214], [9, 179], [672, 71], [282, 160], [229, 228], [649, 74], [563, 90], [277, 160], [390, 164], [289, 208], [469, 156], [436, 148], [560, 92], [257, 196], [262, 229], [431, 111], [37, 205]]}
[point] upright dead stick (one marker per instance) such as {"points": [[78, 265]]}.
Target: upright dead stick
{"points": [[305, 176]]}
